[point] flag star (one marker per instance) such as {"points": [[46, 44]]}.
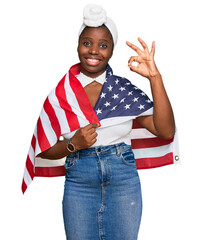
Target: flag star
{"points": [[99, 111], [114, 108], [117, 81], [122, 100], [127, 106], [115, 96], [142, 93], [130, 93], [136, 88], [107, 104], [122, 89], [141, 107], [110, 88], [127, 83], [110, 73], [148, 100], [135, 99], [103, 95]]}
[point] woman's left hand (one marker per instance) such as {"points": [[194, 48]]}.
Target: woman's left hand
{"points": [[146, 66]]}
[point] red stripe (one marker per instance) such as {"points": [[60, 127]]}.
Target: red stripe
{"points": [[61, 96], [149, 142], [145, 163], [33, 142], [24, 186], [52, 117], [136, 124], [30, 167], [50, 171], [42, 139], [81, 96]]}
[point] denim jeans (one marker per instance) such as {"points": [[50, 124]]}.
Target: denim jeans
{"points": [[102, 195]]}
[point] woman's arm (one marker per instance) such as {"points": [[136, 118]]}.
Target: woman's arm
{"points": [[83, 138], [162, 122]]}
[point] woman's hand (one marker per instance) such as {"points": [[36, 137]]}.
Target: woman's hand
{"points": [[146, 66], [85, 137]]}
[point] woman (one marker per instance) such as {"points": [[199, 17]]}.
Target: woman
{"points": [[102, 196]]}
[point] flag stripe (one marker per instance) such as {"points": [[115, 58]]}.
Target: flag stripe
{"points": [[41, 137], [33, 142], [52, 117], [61, 96], [140, 133], [50, 171], [24, 186], [145, 163], [82, 99], [149, 142], [152, 152], [59, 112], [30, 167]]}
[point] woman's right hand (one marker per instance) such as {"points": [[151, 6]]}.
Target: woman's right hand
{"points": [[85, 137]]}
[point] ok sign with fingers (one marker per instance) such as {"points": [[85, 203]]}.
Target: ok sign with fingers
{"points": [[145, 59]]}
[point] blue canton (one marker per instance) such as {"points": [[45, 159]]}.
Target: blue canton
{"points": [[120, 98]]}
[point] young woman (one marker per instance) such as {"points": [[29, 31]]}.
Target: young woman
{"points": [[102, 196]]}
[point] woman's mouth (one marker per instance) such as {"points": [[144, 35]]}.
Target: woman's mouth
{"points": [[92, 61]]}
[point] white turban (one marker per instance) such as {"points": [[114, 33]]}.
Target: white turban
{"points": [[95, 16]]}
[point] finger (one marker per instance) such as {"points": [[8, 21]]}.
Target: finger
{"points": [[153, 48], [133, 59], [137, 49], [134, 69], [91, 131], [91, 125], [144, 45]]}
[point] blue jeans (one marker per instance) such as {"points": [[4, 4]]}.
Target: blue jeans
{"points": [[102, 196]]}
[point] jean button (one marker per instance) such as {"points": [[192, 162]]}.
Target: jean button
{"points": [[99, 149]]}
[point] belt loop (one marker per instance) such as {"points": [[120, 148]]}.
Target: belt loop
{"points": [[118, 149]]}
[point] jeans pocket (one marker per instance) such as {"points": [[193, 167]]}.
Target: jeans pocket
{"points": [[70, 162], [128, 157]]}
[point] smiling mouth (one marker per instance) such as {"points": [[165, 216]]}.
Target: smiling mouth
{"points": [[92, 61]]}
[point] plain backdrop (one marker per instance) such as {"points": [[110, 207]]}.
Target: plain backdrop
{"points": [[38, 44]]}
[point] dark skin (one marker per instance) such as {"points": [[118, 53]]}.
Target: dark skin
{"points": [[95, 49]]}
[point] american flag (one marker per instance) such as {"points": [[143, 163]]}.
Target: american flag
{"points": [[67, 108]]}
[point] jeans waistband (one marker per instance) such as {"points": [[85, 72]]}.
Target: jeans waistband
{"points": [[116, 149]]}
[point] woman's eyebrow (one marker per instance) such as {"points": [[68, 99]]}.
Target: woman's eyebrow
{"points": [[104, 40], [92, 39]]}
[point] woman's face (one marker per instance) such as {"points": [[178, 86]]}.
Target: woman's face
{"points": [[95, 49]]}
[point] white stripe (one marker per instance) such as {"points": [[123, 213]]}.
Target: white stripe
{"points": [[140, 133], [72, 100], [49, 132], [148, 112], [115, 121], [37, 148], [39, 162], [152, 152], [60, 113], [27, 177], [175, 148], [31, 154]]}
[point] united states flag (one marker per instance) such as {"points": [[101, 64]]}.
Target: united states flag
{"points": [[67, 108]]}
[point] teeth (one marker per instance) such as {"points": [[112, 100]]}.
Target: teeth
{"points": [[92, 60]]}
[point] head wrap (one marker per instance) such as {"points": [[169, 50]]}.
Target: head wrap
{"points": [[95, 16]]}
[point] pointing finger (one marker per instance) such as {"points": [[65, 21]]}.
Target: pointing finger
{"points": [[135, 48]]}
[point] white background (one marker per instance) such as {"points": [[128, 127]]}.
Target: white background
{"points": [[38, 45]]}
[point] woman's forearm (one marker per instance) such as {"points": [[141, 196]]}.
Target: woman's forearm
{"points": [[59, 150], [163, 116]]}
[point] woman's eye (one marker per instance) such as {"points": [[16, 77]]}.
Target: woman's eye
{"points": [[103, 46], [86, 43]]}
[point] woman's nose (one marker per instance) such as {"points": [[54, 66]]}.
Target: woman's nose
{"points": [[93, 50]]}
